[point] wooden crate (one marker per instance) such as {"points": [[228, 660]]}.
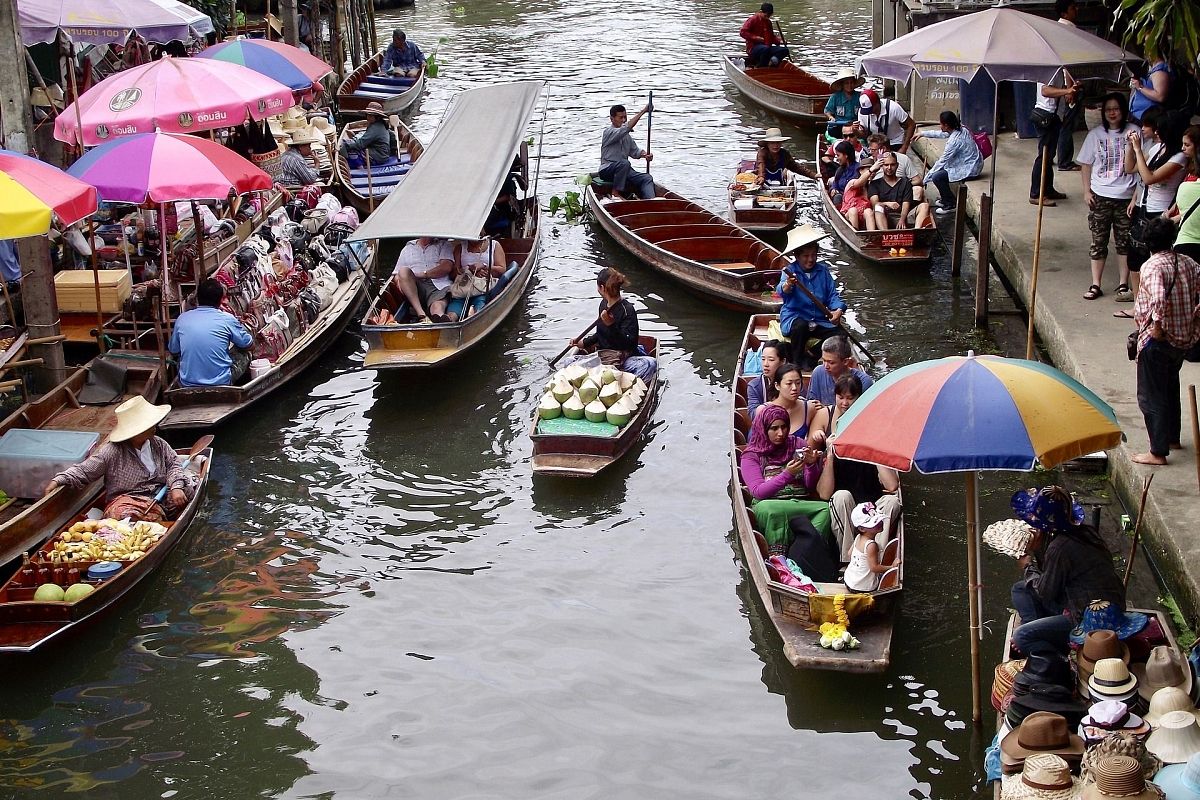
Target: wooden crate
{"points": [[76, 290]]}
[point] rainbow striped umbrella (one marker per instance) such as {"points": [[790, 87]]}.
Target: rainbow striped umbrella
{"points": [[289, 65], [32, 191], [977, 412]]}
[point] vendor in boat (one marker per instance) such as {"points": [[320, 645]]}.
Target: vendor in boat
{"points": [[842, 107], [296, 168], [617, 147], [773, 161], [1065, 568], [135, 464], [424, 273], [402, 57], [803, 284], [211, 344], [762, 388], [376, 141], [764, 48], [616, 336]]}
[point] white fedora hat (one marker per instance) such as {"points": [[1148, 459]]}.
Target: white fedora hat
{"points": [[136, 415], [801, 235]]}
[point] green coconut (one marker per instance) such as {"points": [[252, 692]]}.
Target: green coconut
{"points": [[562, 391], [588, 391], [595, 411], [631, 401], [78, 591], [640, 384], [594, 374], [618, 414], [607, 375], [550, 407], [49, 593], [573, 408], [625, 380], [610, 394], [574, 374]]}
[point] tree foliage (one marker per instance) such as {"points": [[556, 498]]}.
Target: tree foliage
{"points": [[217, 11], [1169, 29]]}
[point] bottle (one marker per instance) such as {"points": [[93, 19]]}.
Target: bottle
{"points": [[43, 575], [60, 574], [28, 577], [72, 576]]}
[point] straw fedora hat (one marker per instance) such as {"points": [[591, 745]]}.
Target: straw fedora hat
{"points": [[1180, 781], [1040, 732], [1177, 737], [376, 109], [1112, 680], [322, 124], [294, 124], [1009, 537], [1045, 777], [1118, 776], [1162, 669], [845, 74], [801, 235], [276, 126], [773, 135], [295, 112], [1170, 698], [136, 415], [302, 137]]}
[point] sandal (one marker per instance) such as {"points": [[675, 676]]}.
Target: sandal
{"points": [[1123, 294], [1093, 292], [1122, 315]]}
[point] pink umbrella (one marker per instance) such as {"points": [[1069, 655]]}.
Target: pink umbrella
{"points": [[176, 95]]}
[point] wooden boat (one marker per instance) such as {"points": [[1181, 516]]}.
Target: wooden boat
{"points": [[25, 523], [788, 608], [365, 189], [706, 253], [881, 247], [365, 85], [787, 89], [761, 208], [449, 198], [582, 456], [26, 624], [204, 406]]}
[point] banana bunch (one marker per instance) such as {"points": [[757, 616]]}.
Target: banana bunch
{"points": [[105, 540]]}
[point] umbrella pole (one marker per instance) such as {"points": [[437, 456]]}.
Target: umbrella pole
{"points": [[96, 284], [199, 269], [1137, 530], [1037, 252], [973, 590], [160, 318]]}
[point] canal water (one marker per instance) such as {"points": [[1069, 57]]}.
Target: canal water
{"points": [[380, 601]]}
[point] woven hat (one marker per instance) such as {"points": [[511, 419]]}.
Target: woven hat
{"points": [[302, 137], [1121, 744], [295, 112], [136, 415], [322, 124], [1177, 737], [1180, 781], [1103, 615], [376, 109], [294, 123], [1002, 683], [276, 126], [801, 235], [773, 135], [1163, 668], [1170, 698], [845, 74], [1008, 537], [1112, 680], [1044, 776], [1041, 732], [1118, 776]]}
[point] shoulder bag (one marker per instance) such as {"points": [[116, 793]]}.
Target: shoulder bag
{"points": [[1131, 341]]}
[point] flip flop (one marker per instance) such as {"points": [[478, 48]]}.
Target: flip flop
{"points": [[1122, 315]]}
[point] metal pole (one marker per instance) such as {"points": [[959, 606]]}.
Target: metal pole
{"points": [[960, 231], [1037, 252], [983, 268], [973, 592]]}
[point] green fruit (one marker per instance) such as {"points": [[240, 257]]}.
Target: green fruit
{"points": [[78, 591], [49, 593]]}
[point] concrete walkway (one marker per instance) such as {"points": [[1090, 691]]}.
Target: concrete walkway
{"points": [[1084, 340]]}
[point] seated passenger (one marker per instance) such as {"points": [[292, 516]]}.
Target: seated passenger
{"points": [[135, 464], [842, 107], [789, 395], [836, 361], [848, 187], [506, 212], [865, 569], [959, 161], [761, 388], [211, 345], [481, 270], [423, 274], [892, 200], [780, 477], [616, 336], [773, 161], [910, 166], [803, 280], [617, 147]]}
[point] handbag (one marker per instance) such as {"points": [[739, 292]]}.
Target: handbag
{"points": [[1042, 119], [983, 142], [468, 284]]}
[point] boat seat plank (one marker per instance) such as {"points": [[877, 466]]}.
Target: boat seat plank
{"points": [[661, 233], [374, 94], [639, 222], [385, 80], [622, 207], [732, 266], [711, 250]]}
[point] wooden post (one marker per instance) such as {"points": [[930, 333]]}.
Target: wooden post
{"points": [[291, 23], [973, 593], [370, 182], [983, 270], [960, 230], [1195, 430], [1047, 165], [336, 45]]}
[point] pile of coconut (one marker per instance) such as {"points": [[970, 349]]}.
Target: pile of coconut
{"points": [[599, 394]]}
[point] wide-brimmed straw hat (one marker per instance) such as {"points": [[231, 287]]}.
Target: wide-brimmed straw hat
{"points": [[1112, 680], [1180, 781], [322, 124], [801, 235], [1103, 615], [1170, 698], [1120, 743], [1040, 732], [1044, 777], [774, 135], [302, 137], [376, 109], [1177, 737], [845, 74], [1163, 668], [1118, 776], [295, 124], [136, 415], [1009, 537]]}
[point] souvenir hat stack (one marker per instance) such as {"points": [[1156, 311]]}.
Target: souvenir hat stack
{"points": [[1041, 732], [1120, 744], [1171, 698], [1002, 684], [1162, 669], [1177, 737], [322, 124], [1118, 776], [1112, 680], [1101, 615], [1108, 717], [1098, 645], [1180, 781], [1009, 537], [1045, 684], [1044, 776]]}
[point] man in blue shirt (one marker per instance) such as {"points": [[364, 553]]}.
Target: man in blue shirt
{"points": [[402, 57], [800, 318], [836, 361], [202, 337]]}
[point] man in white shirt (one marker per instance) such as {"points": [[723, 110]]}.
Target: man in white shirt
{"points": [[1068, 10], [1047, 119], [886, 117], [423, 274]]}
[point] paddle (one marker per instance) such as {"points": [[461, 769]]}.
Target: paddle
{"points": [[829, 316], [571, 347], [649, 125], [782, 38], [1137, 530]]}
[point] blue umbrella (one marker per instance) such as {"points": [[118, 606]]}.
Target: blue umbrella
{"points": [[289, 65]]}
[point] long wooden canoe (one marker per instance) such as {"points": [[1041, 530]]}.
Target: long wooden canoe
{"points": [[880, 247], [364, 189], [786, 607], [761, 208], [25, 523], [787, 89], [584, 455], [26, 624], [365, 85], [706, 253], [203, 406]]}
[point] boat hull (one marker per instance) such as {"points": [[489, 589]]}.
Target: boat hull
{"points": [[795, 94], [363, 195], [352, 105]]}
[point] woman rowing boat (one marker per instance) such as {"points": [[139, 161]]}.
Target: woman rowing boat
{"points": [[616, 336]]}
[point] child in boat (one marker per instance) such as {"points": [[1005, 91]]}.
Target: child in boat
{"points": [[865, 569]]}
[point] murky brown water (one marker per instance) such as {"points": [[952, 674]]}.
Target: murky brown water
{"points": [[380, 601]]}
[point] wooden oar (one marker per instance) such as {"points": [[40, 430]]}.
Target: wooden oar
{"points": [[829, 316], [1137, 530], [782, 38], [649, 125], [571, 347], [201, 444]]}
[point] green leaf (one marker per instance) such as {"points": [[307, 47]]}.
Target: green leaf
{"points": [[555, 204]]}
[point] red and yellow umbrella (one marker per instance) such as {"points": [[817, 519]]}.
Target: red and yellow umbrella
{"points": [[32, 192]]}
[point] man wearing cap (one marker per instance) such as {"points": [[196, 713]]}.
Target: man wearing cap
{"points": [[296, 169], [134, 463], [800, 282], [842, 107], [402, 57], [202, 339], [376, 140], [887, 117], [617, 147], [763, 45]]}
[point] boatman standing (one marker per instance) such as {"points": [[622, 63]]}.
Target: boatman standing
{"points": [[617, 147], [402, 57], [202, 340], [763, 47]]}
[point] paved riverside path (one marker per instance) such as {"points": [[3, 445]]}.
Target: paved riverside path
{"points": [[1085, 341]]}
